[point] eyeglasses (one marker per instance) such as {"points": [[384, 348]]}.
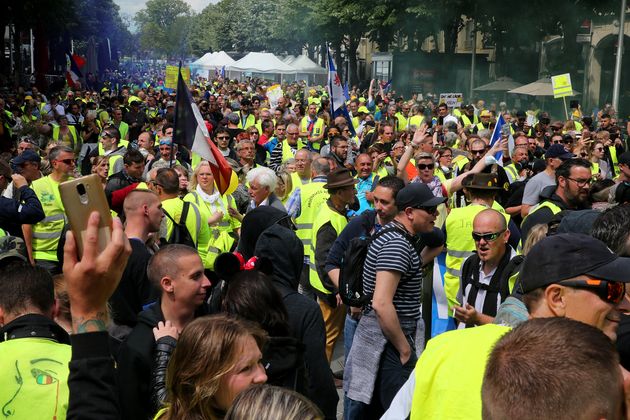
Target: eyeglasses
{"points": [[423, 166], [253, 133], [599, 149], [609, 291], [292, 134], [432, 210], [488, 237], [478, 152], [68, 161], [223, 137], [582, 182]]}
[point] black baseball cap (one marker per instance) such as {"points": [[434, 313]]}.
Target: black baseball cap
{"points": [[568, 255], [624, 158], [417, 195], [558, 151]]}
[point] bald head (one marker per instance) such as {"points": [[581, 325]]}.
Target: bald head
{"points": [[165, 262], [490, 217], [136, 199]]}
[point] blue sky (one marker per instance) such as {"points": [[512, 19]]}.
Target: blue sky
{"points": [[130, 7]]}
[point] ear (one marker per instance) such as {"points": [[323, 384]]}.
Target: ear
{"points": [[556, 299], [55, 309], [1, 317], [167, 284], [506, 235]]}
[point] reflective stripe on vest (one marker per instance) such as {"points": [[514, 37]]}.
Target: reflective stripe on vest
{"points": [[287, 153], [46, 233], [325, 215], [615, 163], [312, 196], [512, 172]]}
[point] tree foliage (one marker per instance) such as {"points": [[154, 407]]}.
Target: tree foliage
{"points": [[165, 27]]}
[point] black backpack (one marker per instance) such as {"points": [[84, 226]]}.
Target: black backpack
{"points": [[180, 234], [351, 272]]}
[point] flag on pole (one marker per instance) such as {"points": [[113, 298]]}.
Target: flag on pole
{"points": [[501, 128], [73, 72], [190, 131], [346, 91], [334, 86], [223, 72], [387, 85]]}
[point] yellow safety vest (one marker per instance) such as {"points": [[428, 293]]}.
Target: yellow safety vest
{"points": [[512, 171], [594, 168], [112, 162], [123, 129], [316, 130], [449, 373], [466, 120], [101, 151], [199, 231], [46, 233], [615, 163], [338, 221], [555, 209], [460, 245], [416, 120], [287, 153], [312, 197], [249, 121], [402, 122], [41, 367], [220, 239], [73, 134]]}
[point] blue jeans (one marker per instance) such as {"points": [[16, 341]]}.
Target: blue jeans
{"points": [[351, 409]]}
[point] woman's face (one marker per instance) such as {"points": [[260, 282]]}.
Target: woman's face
{"points": [[205, 179], [598, 151], [281, 187], [446, 160], [183, 179], [247, 371], [102, 168]]}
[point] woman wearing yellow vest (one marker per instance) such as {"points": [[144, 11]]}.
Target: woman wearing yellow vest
{"points": [[219, 212], [66, 134], [599, 166]]}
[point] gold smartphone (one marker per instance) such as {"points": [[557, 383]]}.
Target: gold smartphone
{"points": [[81, 197]]}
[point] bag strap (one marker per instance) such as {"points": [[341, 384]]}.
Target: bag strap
{"points": [[184, 215]]}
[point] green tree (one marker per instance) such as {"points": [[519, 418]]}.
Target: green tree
{"points": [[164, 27]]}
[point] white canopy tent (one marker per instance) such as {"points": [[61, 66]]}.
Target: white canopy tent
{"points": [[309, 71], [263, 65], [213, 61]]}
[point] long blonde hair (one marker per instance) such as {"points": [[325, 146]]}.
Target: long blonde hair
{"points": [[207, 350]]}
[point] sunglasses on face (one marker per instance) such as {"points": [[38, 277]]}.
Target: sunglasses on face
{"points": [[477, 152], [609, 291], [67, 161], [488, 237], [422, 166], [432, 210], [223, 137]]}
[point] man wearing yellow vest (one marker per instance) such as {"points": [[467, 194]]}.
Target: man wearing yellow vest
{"points": [[35, 349], [123, 127], [167, 186], [556, 281], [573, 179], [301, 176], [328, 223], [42, 238], [285, 149], [402, 118], [383, 348], [312, 128], [246, 118]]}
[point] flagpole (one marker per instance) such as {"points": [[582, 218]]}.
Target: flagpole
{"points": [[177, 93]]}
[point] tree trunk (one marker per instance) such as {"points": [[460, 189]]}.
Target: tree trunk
{"points": [[17, 56], [353, 44], [4, 64]]}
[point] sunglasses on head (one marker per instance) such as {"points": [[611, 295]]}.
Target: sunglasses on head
{"points": [[423, 166], [609, 291], [488, 237]]}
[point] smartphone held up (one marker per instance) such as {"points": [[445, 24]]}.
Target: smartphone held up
{"points": [[81, 197]]}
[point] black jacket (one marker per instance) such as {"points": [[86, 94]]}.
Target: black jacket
{"points": [[282, 246], [13, 213], [118, 181], [135, 360], [34, 325], [543, 215]]}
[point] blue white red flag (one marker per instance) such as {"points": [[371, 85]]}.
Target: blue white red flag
{"points": [[501, 128], [73, 74], [335, 89]]}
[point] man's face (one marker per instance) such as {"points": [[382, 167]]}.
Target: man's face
{"points": [[246, 151], [423, 221], [586, 306], [293, 134], [257, 192], [490, 249], [478, 150], [74, 109], [347, 194], [577, 186], [282, 102], [442, 111], [363, 165], [353, 107], [426, 146], [117, 115], [312, 110], [223, 139], [531, 144], [485, 120], [154, 214], [190, 284], [165, 151], [398, 149], [520, 155], [303, 163], [425, 169], [388, 134], [65, 163], [168, 132], [341, 150], [605, 122], [135, 170], [30, 171], [24, 145], [144, 141], [405, 109], [281, 131], [384, 204]]}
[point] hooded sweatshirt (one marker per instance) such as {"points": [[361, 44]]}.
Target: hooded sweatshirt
{"points": [[282, 246]]}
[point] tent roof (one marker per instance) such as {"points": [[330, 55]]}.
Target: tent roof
{"points": [[262, 63], [215, 59], [303, 64], [500, 85], [541, 87], [289, 59]]}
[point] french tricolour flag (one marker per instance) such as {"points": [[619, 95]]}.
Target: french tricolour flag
{"points": [[73, 72]]}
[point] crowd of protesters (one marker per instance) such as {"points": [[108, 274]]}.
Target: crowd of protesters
{"points": [[216, 305]]}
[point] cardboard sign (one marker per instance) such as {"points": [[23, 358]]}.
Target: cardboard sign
{"points": [[171, 76], [452, 100], [274, 93], [561, 85]]}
